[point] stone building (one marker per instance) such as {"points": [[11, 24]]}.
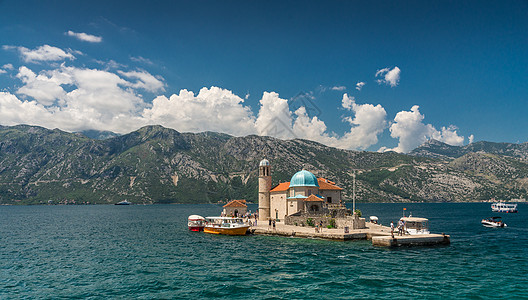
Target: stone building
{"points": [[235, 208], [304, 193]]}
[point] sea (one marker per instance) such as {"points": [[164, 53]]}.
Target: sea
{"points": [[147, 252]]}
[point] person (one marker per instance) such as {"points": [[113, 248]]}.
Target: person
{"points": [[321, 226], [269, 224], [392, 229], [400, 227], [274, 224]]}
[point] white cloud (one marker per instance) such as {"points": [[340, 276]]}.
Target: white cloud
{"points": [[389, 77], [2, 71], [145, 80], [85, 37], [339, 88], [141, 59], [44, 88], [360, 85], [42, 53], [8, 66], [369, 121], [274, 117], [347, 101], [471, 138], [409, 128], [213, 109]]}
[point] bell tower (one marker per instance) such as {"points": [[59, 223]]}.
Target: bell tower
{"points": [[264, 190]]}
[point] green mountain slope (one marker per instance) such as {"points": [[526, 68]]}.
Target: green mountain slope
{"points": [[160, 165]]}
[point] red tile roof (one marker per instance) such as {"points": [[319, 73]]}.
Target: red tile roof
{"points": [[281, 187], [325, 184], [236, 203], [313, 198]]}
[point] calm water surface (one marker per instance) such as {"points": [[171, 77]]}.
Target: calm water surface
{"points": [[146, 252]]}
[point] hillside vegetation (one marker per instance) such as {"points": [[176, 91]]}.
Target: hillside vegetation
{"points": [[159, 165]]}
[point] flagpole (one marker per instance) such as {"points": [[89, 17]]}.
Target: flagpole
{"points": [[354, 194]]}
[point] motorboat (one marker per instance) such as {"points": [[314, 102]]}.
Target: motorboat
{"points": [[225, 225], [196, 223], [413, 225], [124, 202], [493, 222], [504, 207]]}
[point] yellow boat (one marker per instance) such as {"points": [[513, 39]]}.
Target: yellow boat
{"points": [[225, 225]]}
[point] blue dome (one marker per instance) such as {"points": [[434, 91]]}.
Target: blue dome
{"points": [[303, 178]]}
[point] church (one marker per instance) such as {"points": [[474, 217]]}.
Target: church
{"points": [[304, 193]]}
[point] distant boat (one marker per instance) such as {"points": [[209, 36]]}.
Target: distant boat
{"points": [[225, 225], [124, 202], [493, 222], [504, 207]]}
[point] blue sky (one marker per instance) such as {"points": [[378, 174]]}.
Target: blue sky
{"points": [[450, 70]]}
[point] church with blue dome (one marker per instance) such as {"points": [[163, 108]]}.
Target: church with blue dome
{"points": [[304, 193]]}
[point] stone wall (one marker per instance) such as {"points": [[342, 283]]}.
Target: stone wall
{"points": [[352, 222]]}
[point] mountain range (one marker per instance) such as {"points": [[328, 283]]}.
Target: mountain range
{"points": [[160, 165]]}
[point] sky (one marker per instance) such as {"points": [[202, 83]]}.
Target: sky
{"points": [[360, 75]]}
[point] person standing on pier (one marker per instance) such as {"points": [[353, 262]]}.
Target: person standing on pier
{"points": [[392, 229], [274, 224]]}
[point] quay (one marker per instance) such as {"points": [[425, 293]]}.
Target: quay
{"points": [[380, 235]]}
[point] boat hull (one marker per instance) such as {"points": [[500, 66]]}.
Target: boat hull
{"points": [[196, 228], [226, 230]]}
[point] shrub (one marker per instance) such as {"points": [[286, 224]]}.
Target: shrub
{"points": [[358, 212], [310, 222]]}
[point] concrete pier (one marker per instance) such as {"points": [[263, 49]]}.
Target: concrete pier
{"points": [[380, 235], [411, 240]]}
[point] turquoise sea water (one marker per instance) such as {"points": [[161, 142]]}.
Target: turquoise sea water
{"points": [[146, 252]]}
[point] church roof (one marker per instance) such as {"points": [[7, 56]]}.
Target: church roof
{"points": [[236, 203], [281, 187], [313, 198], [303, 178], [325, 184]]}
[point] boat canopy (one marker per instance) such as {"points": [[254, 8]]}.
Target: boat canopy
{"points": [[196, 218], [414, 219], [373, 218], [223, 218]]}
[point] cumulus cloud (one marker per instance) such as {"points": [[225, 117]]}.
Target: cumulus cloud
{"points": [[409, 128], [78, 98], [471, 138], [8, 67], [45, 88], [2, 71], [213, 109], [360, 85], [85, 37], [42, 53], [388, 76], [274, 117]]}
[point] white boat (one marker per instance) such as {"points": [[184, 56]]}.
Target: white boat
{"points": [[124, 202], [196, 223], [225, 225], [493, 222], [504, 207], [415, 225]]}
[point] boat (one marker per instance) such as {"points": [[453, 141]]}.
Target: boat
{"points": [[493, 222], [196, 223], [225, 225], [414, 226], [124, 202], [504, 207]]}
